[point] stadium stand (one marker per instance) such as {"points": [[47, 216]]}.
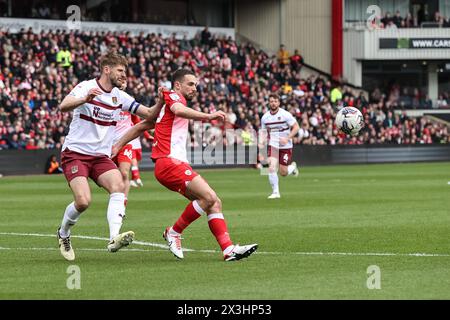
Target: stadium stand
{"points": [[236, 78]]}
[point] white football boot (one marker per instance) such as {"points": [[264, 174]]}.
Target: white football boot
{"points": [[65, 247], [120, 241], [133, 184], [240, 252], [295, 172], [174, 243], [274, 196]]}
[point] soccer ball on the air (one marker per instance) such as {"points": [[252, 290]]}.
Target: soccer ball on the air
{"points": [[350, 120]]}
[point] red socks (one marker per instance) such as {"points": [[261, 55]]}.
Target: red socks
{"points": [[218, 227], [135, 173], [216, 223], [192, 212]]}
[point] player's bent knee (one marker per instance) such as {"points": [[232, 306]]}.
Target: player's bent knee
{"points": [[283, 173], [217, 206], [210, 199], [124, 175], [117, 187], [82, 203]]}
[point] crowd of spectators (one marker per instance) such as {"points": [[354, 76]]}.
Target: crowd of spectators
{"points": [[235, 78], [404, 97], [396, 21]]}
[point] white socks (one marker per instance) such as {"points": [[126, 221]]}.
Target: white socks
{"points": [[273, 179], [71, 216], [116, 212]]}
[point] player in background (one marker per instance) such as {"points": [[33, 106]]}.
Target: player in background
{"points": [[281, 127], [173, 171], [96, 105], [137, 156]]}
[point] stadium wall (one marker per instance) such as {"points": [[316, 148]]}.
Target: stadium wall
{"points": [[14, 25], [302, 25], [23, 162]]}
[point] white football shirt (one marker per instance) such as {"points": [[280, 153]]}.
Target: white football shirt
{"points": [[278, 125], [92, 129]]}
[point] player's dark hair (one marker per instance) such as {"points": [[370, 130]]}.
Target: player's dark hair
{"points": [[179, 74], [274, 96]]}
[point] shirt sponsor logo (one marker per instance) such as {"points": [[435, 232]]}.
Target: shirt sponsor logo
{"points": [[96, 111]]}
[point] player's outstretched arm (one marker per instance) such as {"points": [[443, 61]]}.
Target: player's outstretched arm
{"points": [[70, 102], [152, 113], [134, 132], [184, 112]]}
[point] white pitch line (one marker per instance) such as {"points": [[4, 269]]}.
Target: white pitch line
{"points": [[82, 249], [158, 245]]}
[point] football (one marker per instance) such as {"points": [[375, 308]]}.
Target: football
{"points": [[349, 120]]}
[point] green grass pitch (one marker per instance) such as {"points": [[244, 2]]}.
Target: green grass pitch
{"points": [[316, 242]]}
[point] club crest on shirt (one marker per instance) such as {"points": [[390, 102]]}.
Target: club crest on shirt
{"points": [[188, 172], [114, 100], [279, 118], [74, 169], [174, 96]]}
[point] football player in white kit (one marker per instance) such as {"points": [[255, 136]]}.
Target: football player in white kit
{"points": [[281, 127], [96, 105]]}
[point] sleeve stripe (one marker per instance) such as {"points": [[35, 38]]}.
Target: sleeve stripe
{"points": [[135, 108], [131, 106]]}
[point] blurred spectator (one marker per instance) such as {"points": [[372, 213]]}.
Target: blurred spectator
{"points": [[283, 56], [205, 36], [336, 94], [296, 60], [441, 102], [64, 57], [52, 166]]}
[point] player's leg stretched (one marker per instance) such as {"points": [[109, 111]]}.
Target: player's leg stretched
{"points": [[112, 182], [82, 198], [207, 201]]}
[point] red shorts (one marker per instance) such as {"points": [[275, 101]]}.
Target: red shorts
{"points": [[137, 154], [174, 174], [284, 155], [125, 155], [76, 164]]}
